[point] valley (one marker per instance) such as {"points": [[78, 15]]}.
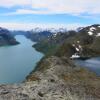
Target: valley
{"points": [[56, 76]]}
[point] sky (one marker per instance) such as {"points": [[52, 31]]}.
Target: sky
{"points": [[28, 14]]}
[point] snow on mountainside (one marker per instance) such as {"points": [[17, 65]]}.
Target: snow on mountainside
{"points": [[84, 44], [93, 30], [87, 41], [53, 30]]}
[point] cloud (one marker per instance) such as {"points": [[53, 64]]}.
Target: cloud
{"points": [[69, 6], [54, 6], [12, 3], [29, 26]]}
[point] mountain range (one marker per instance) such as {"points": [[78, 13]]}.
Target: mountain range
{"points": [[83, 42]]}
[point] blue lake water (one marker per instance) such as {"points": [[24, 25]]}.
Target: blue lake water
{"points": [[92, 64], [16, 62]]}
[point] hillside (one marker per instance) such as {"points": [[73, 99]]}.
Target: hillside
{"points": [[84, 42], [50, 44], [6, 38]]}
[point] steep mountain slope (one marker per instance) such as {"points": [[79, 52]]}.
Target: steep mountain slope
{"points": [[39, 36], [50, 44], [84, 42], [6, 38]]}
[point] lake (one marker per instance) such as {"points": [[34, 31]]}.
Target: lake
{"points": [[92, 64], [16, 62]]}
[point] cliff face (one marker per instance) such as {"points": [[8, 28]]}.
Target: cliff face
{"points": [[6, 38]]}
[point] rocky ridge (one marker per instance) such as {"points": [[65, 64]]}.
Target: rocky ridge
{"points": [[55, 79]]}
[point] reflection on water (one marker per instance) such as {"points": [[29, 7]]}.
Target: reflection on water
{"points": [[93, 64]]}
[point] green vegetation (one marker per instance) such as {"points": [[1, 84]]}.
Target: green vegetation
{"points": [[65, 49], [96, 45], [46, 47]]}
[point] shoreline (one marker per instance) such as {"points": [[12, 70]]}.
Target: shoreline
{"points": [[45, 57], [51, 76]]}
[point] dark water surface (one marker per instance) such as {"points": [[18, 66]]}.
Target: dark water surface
{"points": [[93, 64]]}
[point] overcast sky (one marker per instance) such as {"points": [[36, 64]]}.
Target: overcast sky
{"points": [[27, 14]]}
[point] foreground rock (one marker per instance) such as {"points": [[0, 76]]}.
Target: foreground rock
{"points": [[55, 79], [67, 77]]}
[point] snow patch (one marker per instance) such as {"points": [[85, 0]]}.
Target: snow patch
{"points": [[73, 45], [90, 33], [92, 29], [78, 41], [75, 56], [98, 34], [80, 47], [77, 49], [55, 34]]}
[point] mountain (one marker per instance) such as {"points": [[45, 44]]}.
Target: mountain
{"points": [[52, 30], [81, 43], [39, 34], [6, 38], [86, 42], [51, 42]]}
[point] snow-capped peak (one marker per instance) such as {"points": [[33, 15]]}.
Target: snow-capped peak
{"points": [[52, 30]]}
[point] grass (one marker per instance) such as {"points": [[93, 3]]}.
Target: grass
{"points": [[33, 78]]}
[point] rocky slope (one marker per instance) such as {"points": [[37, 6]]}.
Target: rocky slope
{"points": [[6, 38], [55, 79], [61, 71]]}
